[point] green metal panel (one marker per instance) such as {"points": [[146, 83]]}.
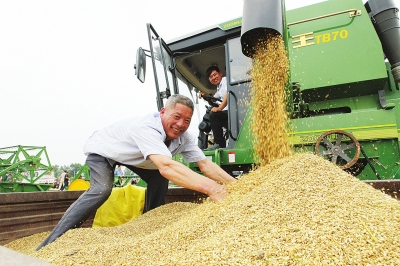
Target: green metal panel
{"points": [[245, 138], [339, 51], [237, 156], [384, 155], [366, 125]]}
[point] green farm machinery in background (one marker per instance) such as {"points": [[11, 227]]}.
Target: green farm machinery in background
{"points": [[28, 169], [23, 169], [344, 80]]}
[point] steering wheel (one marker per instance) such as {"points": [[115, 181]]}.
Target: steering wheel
{"points": [[211, 100]]}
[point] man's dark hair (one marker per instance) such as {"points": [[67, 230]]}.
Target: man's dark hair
{"points": [[177, 98], [211, 69]]}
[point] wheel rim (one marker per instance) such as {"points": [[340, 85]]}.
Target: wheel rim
{"points": [[338, 146]]}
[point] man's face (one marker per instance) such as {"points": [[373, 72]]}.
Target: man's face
{"points": [[176, 120], [215, 77]]}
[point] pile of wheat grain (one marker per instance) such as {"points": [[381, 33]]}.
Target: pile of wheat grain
{"points": [[270, 118], [300, 210]]}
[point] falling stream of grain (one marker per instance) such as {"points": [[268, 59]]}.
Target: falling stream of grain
{"points": [[270, 118]]}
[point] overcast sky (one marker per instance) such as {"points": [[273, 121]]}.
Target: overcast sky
{"points": [[66, 67]]}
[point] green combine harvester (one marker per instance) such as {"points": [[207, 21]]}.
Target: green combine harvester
{"points": [[23, 167], [344, 80]]}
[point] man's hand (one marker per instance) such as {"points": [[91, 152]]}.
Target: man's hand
{"points": [[215, 109], [218, 194], [201, 94], [183, 176]]}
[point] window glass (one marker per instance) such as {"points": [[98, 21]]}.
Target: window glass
{"points": [[239, 64], [163, 81]]}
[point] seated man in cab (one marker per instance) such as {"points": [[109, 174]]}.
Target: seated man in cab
{"points": [[218, 115]]}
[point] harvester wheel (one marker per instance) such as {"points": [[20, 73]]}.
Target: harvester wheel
{"points": [[338, 146]]}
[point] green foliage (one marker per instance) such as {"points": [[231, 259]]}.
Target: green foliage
{"points": [[73, 169], [57, 170], [128, 172]]}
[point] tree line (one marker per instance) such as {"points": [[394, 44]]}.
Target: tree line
{"points": [[73, 169]]}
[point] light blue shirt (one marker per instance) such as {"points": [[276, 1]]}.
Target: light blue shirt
{"points": [[130, 141], [118, 172]]}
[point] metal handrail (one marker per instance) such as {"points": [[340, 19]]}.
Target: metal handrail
{"points": [[353, 12], [229, 121]]}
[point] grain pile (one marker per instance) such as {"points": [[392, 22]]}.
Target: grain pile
{"points": [[300, 210], [270, 118]]}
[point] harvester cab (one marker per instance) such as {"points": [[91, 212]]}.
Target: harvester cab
{"points": [[181, 65], [343, 84]]}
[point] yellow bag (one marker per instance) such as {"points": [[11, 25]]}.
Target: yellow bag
{"points": [[123, 205]]}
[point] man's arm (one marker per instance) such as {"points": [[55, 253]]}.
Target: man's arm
{"points": [[213, 171], [223, 104], [185, 177]]}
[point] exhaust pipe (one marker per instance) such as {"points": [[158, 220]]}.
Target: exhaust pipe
{"points": [[260, 17], [385, 18]]}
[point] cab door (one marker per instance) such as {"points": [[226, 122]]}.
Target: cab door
{"points": [[239, 67], [163, 67]]}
